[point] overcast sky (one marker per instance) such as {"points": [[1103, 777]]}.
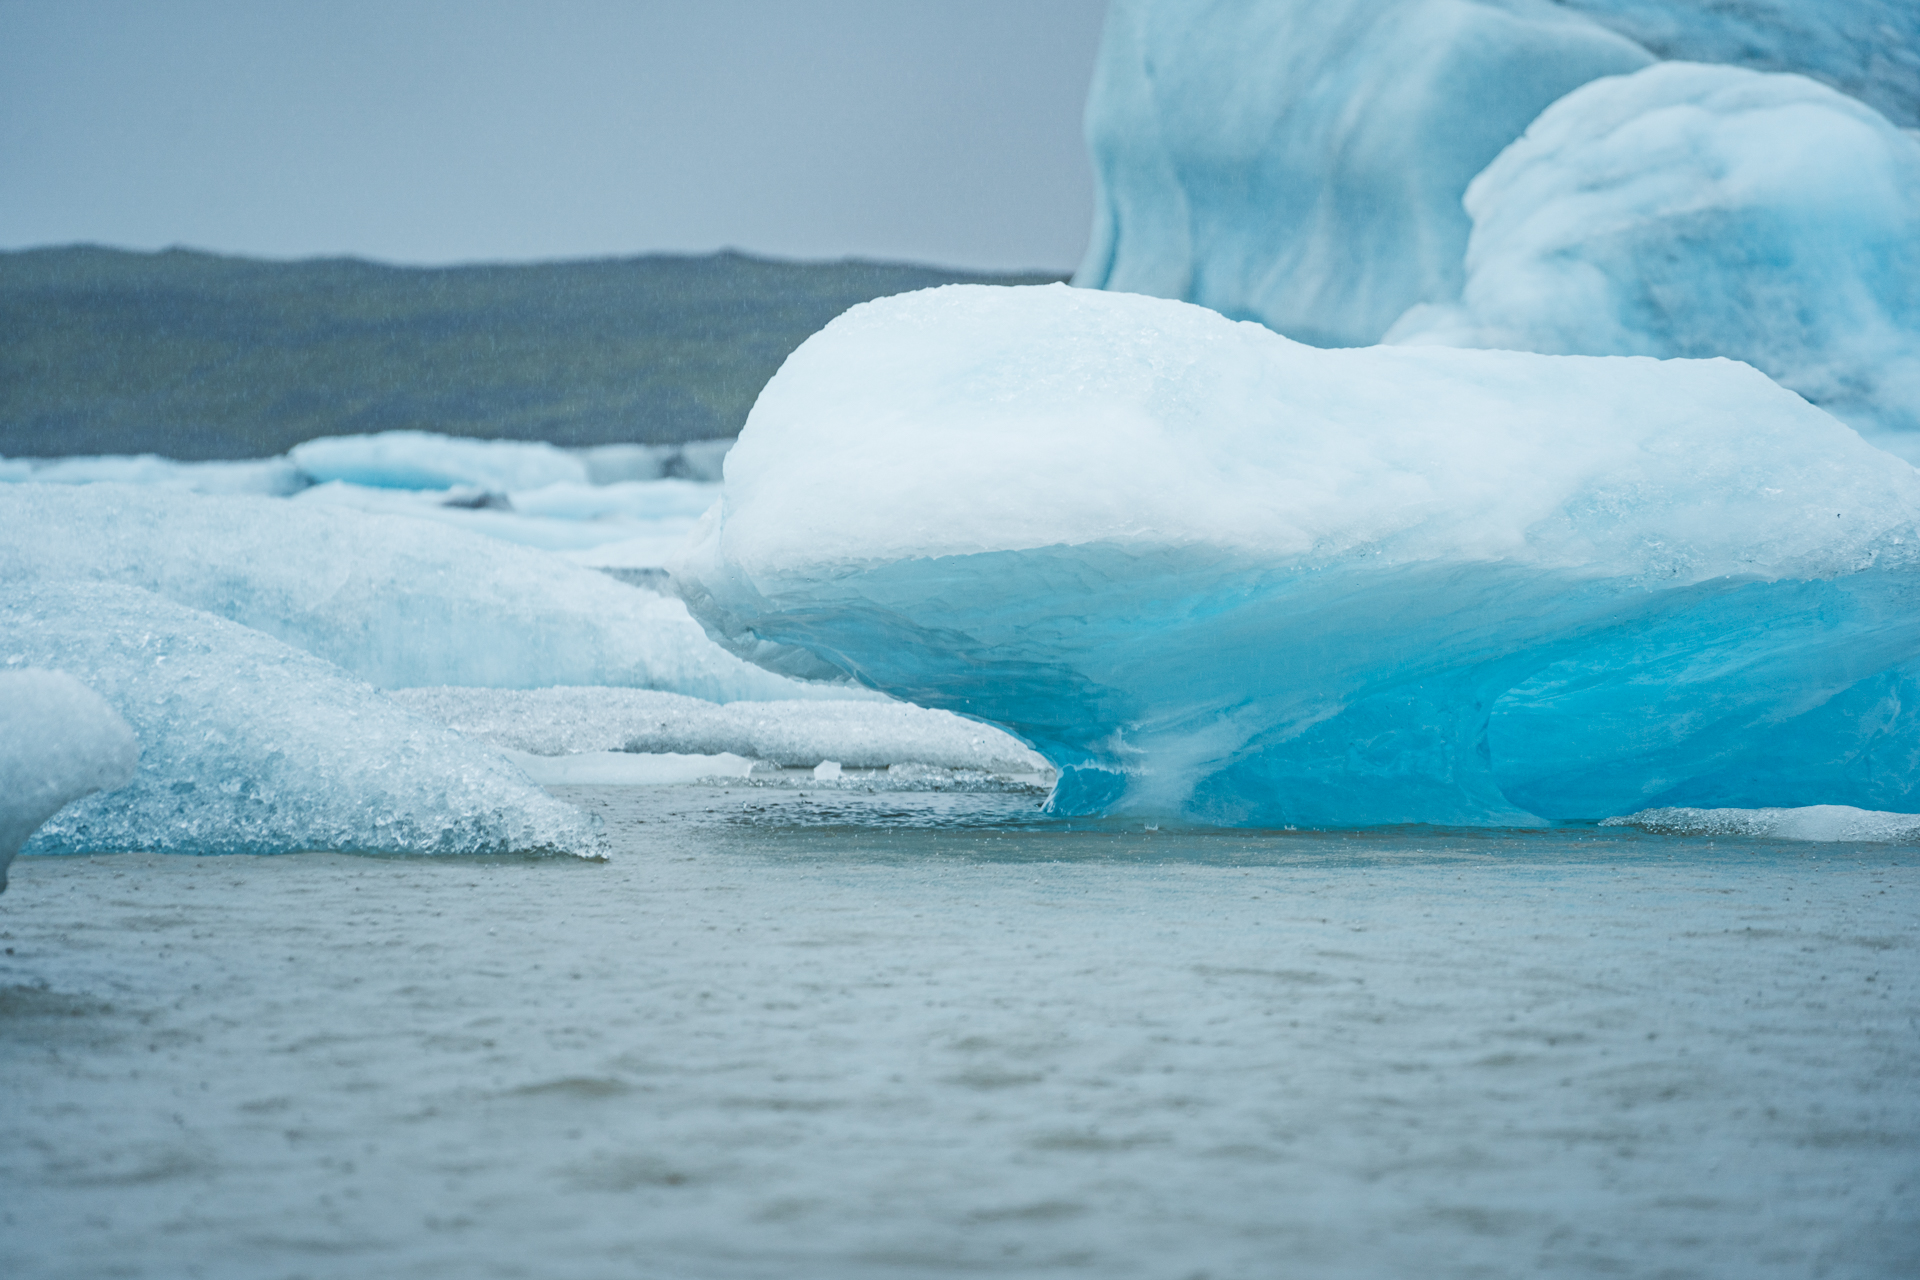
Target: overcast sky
{"points": [[428, 131]]}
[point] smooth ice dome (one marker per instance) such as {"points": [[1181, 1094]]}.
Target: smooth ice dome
{"points": [[867, 735], [248, 745], [397, 602], [1301, 162], [1208, 571], [1690, 210], [59, 740]]}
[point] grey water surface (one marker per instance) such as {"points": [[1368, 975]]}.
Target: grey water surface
{"points": [[792, 1032]]}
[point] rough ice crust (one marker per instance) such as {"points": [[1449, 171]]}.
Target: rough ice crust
{"points": [[59, 740], [1689, 210], [397, 602], [1301, 162], [1823, 822], [1208, 571], [251, 746], [865, 735]]}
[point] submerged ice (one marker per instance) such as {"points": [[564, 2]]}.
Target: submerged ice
{"points": [[248, 745], [59, 741], [1208, 571]]}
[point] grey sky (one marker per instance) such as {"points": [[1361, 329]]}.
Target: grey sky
{"points": [[944, 131]]}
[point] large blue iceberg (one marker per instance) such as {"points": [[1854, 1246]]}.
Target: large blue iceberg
{"points": [[1302, 162], [1210, 572], [1690, 210]]}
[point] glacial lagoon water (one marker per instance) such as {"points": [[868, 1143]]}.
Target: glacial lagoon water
{"points": [[813, 1032]]}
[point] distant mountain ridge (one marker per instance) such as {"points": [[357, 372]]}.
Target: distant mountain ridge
{"points": [[196, 356]]}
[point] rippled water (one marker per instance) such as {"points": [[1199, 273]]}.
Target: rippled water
{"points": [[791, 1033]]}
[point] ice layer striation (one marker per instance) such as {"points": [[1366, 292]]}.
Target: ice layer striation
{"points": [[1210, 572], [248, 745], [59, 741], [1691, 210]]}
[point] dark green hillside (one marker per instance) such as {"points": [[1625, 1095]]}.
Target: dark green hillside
{"points": [[194, 356]]}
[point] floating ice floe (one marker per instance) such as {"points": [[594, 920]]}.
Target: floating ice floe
{"points": [[867, 735], [59, 741], [425, 460], [267, 477], [1301, 162], [396, 602], [1820, 822], [1690, 210], [248, 745], [1211, 572]]}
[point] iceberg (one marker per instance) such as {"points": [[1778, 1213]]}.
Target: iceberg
{"points": [[248, 745], [397, 602], [1211, 573], [1690, 210], [1301, 163], [59, 741], [1867, 49], [427, 460], [865, 735]]}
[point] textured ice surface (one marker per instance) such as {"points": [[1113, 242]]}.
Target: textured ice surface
{"points": [[425, 460], [1302, 162], [248, 745], [1689, 210], [1821, 822], [553, 722], [1868, 49], [272, 477], [1209, 571], [59, 740], [397, 602]]}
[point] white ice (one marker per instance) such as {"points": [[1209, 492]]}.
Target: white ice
{"points": [[397, 602], [59, 741], [248, 745], [867, 735], [1211, 572], [426, 460], [269, 477], [1821, 822], [1301, 162], [1690, 210]]}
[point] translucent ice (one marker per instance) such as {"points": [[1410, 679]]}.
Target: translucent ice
{"points": [[1301, 162], [1208, 571], [868, 735], [59, 740], [1689, 210], [248, 745], [397, 602]]}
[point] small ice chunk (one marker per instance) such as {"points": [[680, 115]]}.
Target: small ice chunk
{"points": [[251, 746], [1818, 822], [827, 770], [427, 460], [59, 741]]}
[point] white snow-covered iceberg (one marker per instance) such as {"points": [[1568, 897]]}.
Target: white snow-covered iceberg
{"points": [[397, 602], [1691, 210], [248, 745], [1301, 162], [866, 735], [1208, 571], [59, 741]]}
